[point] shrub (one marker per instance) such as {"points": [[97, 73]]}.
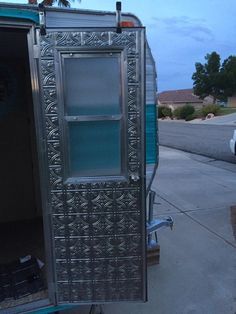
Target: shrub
{"points": [[186, 111], [167, 112], [176, 113], [198, 113], [210, 109], [164, 111], [190, 117], [160, 113]]}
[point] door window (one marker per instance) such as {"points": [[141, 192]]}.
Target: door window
{"points": [[93, 115]]}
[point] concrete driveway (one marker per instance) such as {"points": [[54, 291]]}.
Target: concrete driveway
{"points": [[197, 271]]}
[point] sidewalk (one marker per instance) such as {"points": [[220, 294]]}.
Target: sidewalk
{"points": [[197, 271], [229, 119]]}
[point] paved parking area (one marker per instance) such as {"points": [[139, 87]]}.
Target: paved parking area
{"points": [[197, 271]]}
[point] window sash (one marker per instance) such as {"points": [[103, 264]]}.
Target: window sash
{"points": [[68, 119]]}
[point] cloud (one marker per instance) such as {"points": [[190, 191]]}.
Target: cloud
{"points": [[186, 27]]}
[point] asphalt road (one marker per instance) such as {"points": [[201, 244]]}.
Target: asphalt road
{"points": [[202, 139]]}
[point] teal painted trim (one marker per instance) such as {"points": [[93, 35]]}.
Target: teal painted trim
{"points": [[20, 14], [151, 134], [53, 309]]}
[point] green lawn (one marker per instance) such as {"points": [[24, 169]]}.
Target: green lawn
{"points": [[224, 111]]}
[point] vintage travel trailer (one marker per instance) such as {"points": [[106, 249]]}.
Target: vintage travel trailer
{"points": [[78, 155]]}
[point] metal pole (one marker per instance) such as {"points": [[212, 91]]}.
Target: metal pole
{"points": [[151, 199]]}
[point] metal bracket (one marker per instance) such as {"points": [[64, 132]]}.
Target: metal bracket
{"points": [[154, 224], [42, 19], [118, 17], [96, 309], [158, 223]]}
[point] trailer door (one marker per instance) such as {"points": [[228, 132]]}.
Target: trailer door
{"points": [[92, 91]]}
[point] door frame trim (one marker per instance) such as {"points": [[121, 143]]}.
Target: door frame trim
{"points": [[41, 146], [37, 115]]}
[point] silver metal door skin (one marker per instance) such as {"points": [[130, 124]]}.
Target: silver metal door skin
{"points": [[98, 221]]}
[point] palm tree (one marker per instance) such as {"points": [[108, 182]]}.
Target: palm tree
{"points": [[61, 3]]}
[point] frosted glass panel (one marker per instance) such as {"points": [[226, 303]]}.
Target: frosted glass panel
{"points": [[92, 85], [94, 148]]}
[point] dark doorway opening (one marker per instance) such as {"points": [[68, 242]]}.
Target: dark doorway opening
{"points": [[21, 224]]}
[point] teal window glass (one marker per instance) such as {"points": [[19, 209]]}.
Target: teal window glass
{"points": [[94, 148], [92, 85]]}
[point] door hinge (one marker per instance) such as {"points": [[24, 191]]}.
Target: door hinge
{"points": [[44, 146], [42, 19], [52, 291], [36, 51]]}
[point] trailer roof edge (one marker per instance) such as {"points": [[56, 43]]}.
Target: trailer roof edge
{"points": [[68, 10]]}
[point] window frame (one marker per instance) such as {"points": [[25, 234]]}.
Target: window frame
{"points": [[65, 119]]}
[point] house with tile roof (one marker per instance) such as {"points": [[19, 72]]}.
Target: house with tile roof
{"points": [[232, 101], [181, 97]]}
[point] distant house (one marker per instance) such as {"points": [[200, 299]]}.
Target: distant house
{"points": [[232, 101], [181, 97]]}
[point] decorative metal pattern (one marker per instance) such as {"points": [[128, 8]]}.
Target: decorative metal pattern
{"points": [[129, 40], [65, 39], [95, 39], [47, 68], [132, 71], [98, 228], [47, 48]]}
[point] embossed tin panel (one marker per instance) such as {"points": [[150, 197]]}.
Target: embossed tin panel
{"points": [[98, 227]]}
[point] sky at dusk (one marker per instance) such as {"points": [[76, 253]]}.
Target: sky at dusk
{"points": [[180, 32]]}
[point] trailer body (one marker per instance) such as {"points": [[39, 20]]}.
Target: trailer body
{"points": [[85, 96]]}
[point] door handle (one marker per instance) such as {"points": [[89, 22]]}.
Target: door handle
{"points": [[134, 177]]}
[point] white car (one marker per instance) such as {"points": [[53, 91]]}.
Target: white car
{"points": [[232, 143]]}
